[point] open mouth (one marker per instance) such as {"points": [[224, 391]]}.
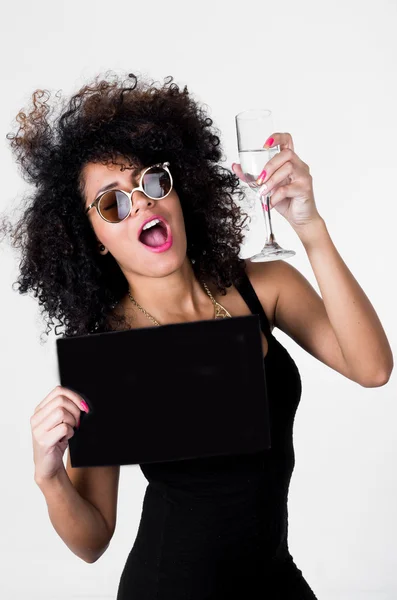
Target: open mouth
{"points": [[154, 235]]}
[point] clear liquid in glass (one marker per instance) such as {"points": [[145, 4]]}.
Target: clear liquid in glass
{"points": [[253, 161]]}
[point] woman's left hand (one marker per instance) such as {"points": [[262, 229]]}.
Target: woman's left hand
{"points": [[288, 181]]}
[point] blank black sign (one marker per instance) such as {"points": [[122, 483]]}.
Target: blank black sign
{"points": [[166, 393]]}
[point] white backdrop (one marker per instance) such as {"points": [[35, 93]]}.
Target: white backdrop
{"points": [[328, 71]]}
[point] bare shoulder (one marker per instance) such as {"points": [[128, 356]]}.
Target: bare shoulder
{"points": [[119, 318], [264, 271], [273, 275], [265, 279], [300, 312], [291, 289]]}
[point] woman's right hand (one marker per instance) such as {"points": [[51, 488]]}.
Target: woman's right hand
{"points": [[52, 426]]}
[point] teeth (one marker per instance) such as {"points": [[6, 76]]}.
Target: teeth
{"points": [[151, 224]]}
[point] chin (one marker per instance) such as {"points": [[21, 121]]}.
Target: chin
{"points": [[164, 264]]}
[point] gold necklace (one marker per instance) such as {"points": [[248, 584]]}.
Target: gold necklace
{"points": [[220, 311]]}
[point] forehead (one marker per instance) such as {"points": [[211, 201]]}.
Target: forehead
{"points": [[94, 170], [94, 176]]}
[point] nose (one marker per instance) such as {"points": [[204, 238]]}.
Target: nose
{"points": [[140, 202]]}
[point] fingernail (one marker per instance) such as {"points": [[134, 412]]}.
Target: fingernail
{"points": [[269, 141], [266, 208], [261, 177], [84, 405]]}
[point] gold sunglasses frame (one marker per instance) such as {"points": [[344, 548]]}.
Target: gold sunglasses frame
{"points": [[95, 203]]}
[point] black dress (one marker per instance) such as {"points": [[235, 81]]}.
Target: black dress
{"points": [[215, 528]]}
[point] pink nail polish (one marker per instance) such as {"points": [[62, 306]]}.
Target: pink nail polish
{"points": [[84, 405], [269, 141], [261, 177], [266, 208]]}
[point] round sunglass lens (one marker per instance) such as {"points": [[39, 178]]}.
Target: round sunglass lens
{"points": [[156, 182], [114, 206]]}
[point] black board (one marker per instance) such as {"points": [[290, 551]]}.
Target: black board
{"points": [[165, 393]]}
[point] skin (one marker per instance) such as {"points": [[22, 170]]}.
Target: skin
{"points": [[167, 275]]}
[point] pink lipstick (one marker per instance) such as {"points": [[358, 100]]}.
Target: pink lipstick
{"points": [[156, 247]]}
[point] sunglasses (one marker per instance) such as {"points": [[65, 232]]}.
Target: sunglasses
{"points": [[115, 205]]}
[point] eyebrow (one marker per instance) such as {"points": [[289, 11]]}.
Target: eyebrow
{"points": [[114, 184]]}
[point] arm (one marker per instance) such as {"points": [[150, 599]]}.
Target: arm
{"points": [[356, 325], [79, 524], [340, 328]]}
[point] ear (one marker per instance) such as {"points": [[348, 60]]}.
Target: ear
{"points": [[102, 248]]}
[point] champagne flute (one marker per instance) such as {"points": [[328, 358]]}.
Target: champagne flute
{"points": [[254, 127]]}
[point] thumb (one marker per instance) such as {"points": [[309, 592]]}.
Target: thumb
{"points": [[236, 168]]}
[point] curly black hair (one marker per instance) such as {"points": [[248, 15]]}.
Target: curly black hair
{"points": [[109, 119]]}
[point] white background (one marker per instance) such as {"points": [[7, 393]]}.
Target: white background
{"points": [[328, 71]]}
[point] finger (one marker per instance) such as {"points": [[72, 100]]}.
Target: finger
{"points": [[61, 396], [66, 436], [60, 433], [73, 396], [60, 415], [284, 173], [236, 167], [276, 162], [284, 140], [291, 190], [63, 409]]}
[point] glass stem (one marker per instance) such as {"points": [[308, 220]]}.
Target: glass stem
{"points": [[268, 220]]}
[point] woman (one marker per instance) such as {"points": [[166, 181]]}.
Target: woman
{"points": [[166, 251]]}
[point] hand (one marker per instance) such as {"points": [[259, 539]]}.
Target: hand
{"points": [[288, 181], [52, 426]]}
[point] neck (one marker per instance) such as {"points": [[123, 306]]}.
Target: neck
{"points": [[178, 296]]}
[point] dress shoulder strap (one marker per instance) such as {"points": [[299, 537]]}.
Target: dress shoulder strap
{"points": [[247, 292]]}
